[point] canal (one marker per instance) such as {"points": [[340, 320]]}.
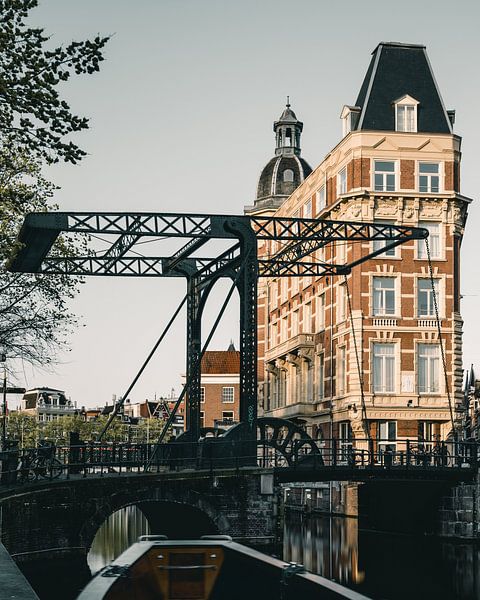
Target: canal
{"points": [[381, 566]]}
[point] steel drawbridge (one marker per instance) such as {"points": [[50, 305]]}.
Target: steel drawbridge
{"points": [[289, 249]]}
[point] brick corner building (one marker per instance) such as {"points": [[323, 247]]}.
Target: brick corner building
{"points": [[363, 355]]}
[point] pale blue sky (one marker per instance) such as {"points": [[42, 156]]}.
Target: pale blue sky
{"points": [[181, 120]]}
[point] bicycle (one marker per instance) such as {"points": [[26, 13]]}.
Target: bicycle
{"points": [[45, 465]]}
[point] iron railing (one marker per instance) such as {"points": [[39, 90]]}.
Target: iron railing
{"points": [[101, 459]]}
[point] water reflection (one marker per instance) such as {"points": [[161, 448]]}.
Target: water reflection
{"points": [[117, 533], [386, 566]]}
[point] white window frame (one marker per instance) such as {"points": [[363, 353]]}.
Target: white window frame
{"points": [[385, 387], [307, 209], [385, 174], [231, 394], [433, 366], [401, 105], [320, 312], [342, 181], [378, 244], [295, 323], [430, 312], [274, 295], [283, 290], [341, 370], [321, 197], [227, 419], [387, 435], [307, 318], [435, 240], [321, 377], [341, 302], [202, 394], [429, 176], [382, 292]]}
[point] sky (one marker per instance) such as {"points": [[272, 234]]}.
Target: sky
{"points": [[181, 118]]}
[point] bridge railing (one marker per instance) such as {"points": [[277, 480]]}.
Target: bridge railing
{"points": [[52, 462]]}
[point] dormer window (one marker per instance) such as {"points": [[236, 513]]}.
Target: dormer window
{"points": [[406, 114], [349, 118], [288, 175]]}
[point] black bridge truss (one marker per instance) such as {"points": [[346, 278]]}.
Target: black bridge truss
{"points": [[298, 238]]}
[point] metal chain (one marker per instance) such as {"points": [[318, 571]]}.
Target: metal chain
{"points": [[440, 339], [360, 372]]}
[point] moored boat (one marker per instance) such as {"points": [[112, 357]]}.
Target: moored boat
{"points": [[211, 568]]}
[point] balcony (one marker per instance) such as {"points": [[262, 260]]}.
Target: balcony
{"points": [[384, 322], [302, 340]]}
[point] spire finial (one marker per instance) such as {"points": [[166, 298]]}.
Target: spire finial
{"points": [[288, 101]]}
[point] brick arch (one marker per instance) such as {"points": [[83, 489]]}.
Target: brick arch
{"points": [[194, 503]]}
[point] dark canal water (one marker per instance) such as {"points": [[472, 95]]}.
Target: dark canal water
{"points": [[381, 566]]}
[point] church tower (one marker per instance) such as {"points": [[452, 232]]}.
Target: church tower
{"points": [[286, 170]]}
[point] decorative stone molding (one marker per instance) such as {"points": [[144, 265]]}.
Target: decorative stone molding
{"points": [[306, 353]]}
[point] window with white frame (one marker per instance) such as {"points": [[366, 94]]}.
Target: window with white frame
{"points": [[341, 252], [429, 177], [383, 368], [387, 434], [434, 241], [321, 199], [273, 334], [307, 210], [307, 318], [295, 322], [406, 114], [341, 371], [274, 295], [202, 394], [321, 376], [425, 297], [320, 312], [294, 285], [341, 302], [342, 181], [383, 296], [202, 418], [384, 175], [284, 329], [228, 416], [228, 394], [428, 356], [379, 244], [283, 287]]}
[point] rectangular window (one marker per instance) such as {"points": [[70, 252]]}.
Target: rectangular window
{"points": [[283, 288], [433, 241], [228, 394], [307, 318], [320, 312], [341, 252], [383, 368], [384, 176], [428, 368], [202, 418], [321, 377], [429, 177], [307, 210], [387, 434], [294, 322], [294, 285], [341, 371], [284, 329], [274, 295], [341, 302], [406, 117], [342, 181], [227, 416], [379, 244], [425, 297], [202, 394], [383, 296], [321, 199], [273, 334]]}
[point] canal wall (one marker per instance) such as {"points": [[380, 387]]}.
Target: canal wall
{"points": [[63, 515], [459, 511]]}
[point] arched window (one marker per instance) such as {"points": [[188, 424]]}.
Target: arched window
{"points": [[288, 175], [288, 137]]}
